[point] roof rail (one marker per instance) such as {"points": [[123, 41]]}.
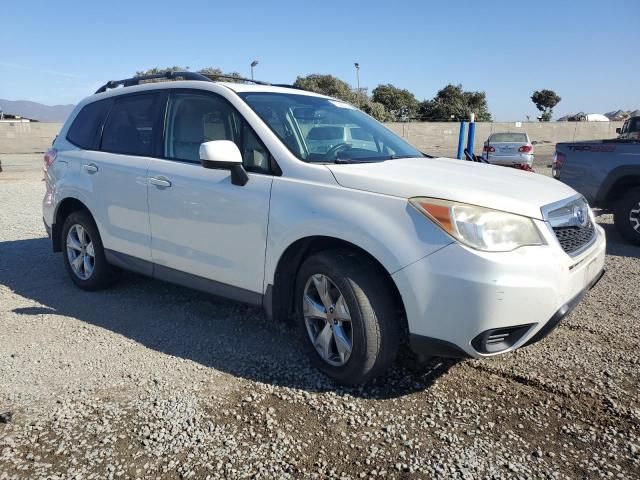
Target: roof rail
{"points": [[171, 75]]}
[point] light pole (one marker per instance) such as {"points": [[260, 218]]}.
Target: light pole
{"points": [[254, 64], [357, 65]]}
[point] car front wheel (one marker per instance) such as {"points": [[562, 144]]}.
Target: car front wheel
{"points": [[347, 316]]}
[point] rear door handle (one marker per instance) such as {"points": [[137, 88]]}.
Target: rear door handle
{"points": [[160, 182], [90, 168]]}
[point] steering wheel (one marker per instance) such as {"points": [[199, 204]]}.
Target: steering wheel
{"points": [[333, 151]]}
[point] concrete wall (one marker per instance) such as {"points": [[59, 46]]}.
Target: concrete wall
{"points": [[437, 138], [27, 137], [442, 138]]}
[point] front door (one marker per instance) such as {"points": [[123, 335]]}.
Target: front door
{"points": [[201, 223]]}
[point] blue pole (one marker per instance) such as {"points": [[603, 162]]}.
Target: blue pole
{"points": [[472, 134], [461, 140]]}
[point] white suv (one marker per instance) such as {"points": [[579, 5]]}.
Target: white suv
{"points": [[369, 248]]}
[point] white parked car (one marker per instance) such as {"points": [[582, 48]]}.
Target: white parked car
{"points": [[510, 148], [368, 248]]}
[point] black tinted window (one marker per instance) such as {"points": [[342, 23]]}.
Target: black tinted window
{"points": [[85, 127], [131, 125]]}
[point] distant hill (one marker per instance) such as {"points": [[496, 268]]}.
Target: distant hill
{"points": [[36, 111]]}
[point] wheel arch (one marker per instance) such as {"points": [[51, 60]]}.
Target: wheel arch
{"points": [[279, 301], [619, 181], [65, 208]]}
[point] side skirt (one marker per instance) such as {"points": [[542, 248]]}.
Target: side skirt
{"points": [[144, 267]]}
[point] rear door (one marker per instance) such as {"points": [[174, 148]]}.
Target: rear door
{"points": [[118, 172], [202, 225]]}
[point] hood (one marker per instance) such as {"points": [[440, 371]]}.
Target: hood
{"points": [[490, 186]]}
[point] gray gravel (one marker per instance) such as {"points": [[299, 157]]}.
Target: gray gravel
{"points": [[151, 380]]}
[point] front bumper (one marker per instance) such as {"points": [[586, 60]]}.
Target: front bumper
{"points": [[456, 295]]}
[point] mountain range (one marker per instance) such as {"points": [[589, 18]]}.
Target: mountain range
{"points": [[35, 110]]}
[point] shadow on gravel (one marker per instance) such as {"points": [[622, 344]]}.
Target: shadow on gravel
{"points": [[226, 336], [618, 246]]}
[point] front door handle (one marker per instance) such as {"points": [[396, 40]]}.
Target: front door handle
{"points": [[160, 182], [90, 168]]}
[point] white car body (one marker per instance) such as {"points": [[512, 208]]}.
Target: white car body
{"points": [[231, 240]]}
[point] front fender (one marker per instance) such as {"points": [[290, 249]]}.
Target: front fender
{"points": [[386, 227]]}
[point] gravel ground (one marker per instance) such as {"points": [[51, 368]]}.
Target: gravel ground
{"points": [[150, 380]]}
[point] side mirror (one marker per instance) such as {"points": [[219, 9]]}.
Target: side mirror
{"points": [[618, 130], [224, 155]]}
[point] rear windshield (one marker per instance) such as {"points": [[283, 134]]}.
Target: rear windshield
{"points": [[508, 138]]}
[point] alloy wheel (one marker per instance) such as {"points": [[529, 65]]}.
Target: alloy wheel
{"points": [[327, 320], [634, 217], [80, 252]]}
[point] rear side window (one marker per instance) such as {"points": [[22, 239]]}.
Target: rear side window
{"points": [[85, 129], [132, 125]]}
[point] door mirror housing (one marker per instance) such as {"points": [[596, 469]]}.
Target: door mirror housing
{"points": [[224, 155], [618, 130]]}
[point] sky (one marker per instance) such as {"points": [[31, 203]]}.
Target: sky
{"points": [[58, 52]]}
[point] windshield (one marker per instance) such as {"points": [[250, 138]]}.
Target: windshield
{"points": [[318, 129]]}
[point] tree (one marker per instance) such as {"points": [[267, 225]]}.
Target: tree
{"points": [[213, 73], [156, 70], [545, 100], [327, 85], [376, 110], [453, 103], [399, 103]]}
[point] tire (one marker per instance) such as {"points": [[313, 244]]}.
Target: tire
{"points": [[373, 327], [626, 216], [102, 274]]}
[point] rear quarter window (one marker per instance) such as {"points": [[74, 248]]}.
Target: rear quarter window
{"points": [[84, 131]]}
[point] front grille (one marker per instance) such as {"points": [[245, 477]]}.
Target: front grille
{"points": [[573, 239]]}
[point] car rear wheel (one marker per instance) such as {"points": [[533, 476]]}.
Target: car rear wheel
{"points": [[627, 216], [84, 254], [347, 316]]}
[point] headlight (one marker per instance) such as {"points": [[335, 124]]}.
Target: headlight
{"points": [[478, 227]]}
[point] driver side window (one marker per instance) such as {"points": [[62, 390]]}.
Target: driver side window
{"points": [[195, 118]]}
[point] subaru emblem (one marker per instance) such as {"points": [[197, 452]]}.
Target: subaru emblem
{"points": [[581, 215]]}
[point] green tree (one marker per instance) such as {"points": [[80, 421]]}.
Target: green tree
{"points": [[376, 110], [399, 103], [157, 70], [212, 72], [327, 85], [545, 100], [452, 103]]}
